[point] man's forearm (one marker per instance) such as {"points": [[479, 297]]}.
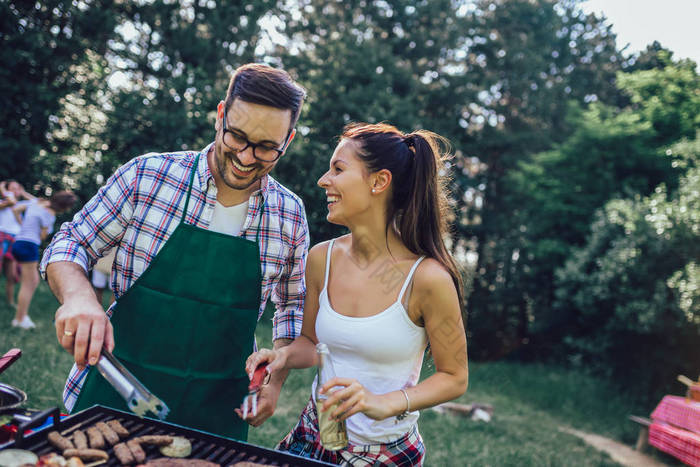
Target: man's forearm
{"points": [[67, 280], [280, 376]]}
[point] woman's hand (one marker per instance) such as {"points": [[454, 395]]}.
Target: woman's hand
{"points": [[276, 360], [352, 398]]}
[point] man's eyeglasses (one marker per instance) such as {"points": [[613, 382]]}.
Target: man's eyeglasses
{"points": [[238, 141]]}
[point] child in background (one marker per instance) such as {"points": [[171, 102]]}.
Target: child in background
{"points": [[39, 218], [11, 194]]}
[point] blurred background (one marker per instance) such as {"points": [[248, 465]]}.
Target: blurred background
{"points": [[575, 183]]}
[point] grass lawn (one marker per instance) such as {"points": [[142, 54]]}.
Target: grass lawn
{"points": [[530, 402]]}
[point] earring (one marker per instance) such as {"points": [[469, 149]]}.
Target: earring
{"points": [[373, 191]]}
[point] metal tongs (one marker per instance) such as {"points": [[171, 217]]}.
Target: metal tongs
{"points": [[251, 399], [137, 397]]}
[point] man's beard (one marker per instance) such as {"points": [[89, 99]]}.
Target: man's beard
{"points": [[229, 179]]}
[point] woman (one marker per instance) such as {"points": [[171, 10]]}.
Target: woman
{"points": [[377, 296], [38, 221]]}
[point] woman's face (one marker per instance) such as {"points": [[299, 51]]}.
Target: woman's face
{"points": [[15, 188], [346, 182]]}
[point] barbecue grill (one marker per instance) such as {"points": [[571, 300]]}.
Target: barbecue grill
{"points": [[207, 446]]}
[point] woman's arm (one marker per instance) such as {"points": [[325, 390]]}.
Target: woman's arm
{"points": [[438, 304], [44, 233], [8, 199], [435, 298], [27, 196], [18, 210]]}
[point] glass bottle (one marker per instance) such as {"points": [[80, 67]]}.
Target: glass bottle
{"points": [[334, 434]]}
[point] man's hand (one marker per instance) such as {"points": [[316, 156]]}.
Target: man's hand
{"points": [[267, 403], [82, 327], [270, 391]]}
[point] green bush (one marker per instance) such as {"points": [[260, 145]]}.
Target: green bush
{"points": [[630, 296]]}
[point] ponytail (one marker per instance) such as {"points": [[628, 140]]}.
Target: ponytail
{"points": [[418, 208]]}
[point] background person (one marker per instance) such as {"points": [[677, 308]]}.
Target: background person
{"points": [[37, 224], [203, 239], [376, 297], [13, 194]]}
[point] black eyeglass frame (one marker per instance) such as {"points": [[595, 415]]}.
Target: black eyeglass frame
{"points": [[248, 143]]}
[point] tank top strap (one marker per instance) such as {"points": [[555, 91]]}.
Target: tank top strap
{"points": [[328, 262], [408, 279]]}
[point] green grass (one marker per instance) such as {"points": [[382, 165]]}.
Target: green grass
{"points": [[530, 402]]}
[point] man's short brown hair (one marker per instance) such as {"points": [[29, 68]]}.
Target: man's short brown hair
{"points": [[63, 200], [262, 84]]}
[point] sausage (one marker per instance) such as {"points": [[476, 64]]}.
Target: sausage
{"points": [[155, 440], [97, 441], [123, 453], [80, 440], [59, 441], [109, 434], [87, 454], [118, 428], [136, 451]]}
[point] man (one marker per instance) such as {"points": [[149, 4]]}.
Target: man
{"points": [[11, 193], [203, 240]]}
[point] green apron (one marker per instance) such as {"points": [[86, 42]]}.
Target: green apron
{"points": [[186, 327]]}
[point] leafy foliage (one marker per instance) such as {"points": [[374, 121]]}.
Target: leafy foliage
{"points": [[43, 47], [614, 153], [527, 61], [630, 297], [366, 61]]}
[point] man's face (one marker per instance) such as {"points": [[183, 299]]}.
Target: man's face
{"points": [[239, 170]]}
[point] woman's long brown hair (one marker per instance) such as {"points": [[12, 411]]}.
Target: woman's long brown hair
{"points": [[418, 208]]}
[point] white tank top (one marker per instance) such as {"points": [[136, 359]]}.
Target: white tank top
{"points": [[384, 352]]}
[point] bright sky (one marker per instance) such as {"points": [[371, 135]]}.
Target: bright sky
{"points": [[674, 23]]}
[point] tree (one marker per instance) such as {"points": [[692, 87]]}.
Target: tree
{"points": [[632, 292], [170, 64], [361, 60], [526, 60], [42, 46], [614, 153]]}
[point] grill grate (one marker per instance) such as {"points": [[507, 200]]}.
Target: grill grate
{"points": [[212, 448]]}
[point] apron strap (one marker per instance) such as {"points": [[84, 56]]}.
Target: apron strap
{"points": [[260, 224], [189, 192], [189, 189]]}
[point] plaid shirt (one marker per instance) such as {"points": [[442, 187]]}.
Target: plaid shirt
{"points": [[304, 440], [140, 206]]}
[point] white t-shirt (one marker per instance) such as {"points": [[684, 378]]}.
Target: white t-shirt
{"points": [[36, 217], [8, 221], [229, 220]]}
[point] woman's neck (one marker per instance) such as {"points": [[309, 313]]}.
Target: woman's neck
{"points": [[375, 241]]}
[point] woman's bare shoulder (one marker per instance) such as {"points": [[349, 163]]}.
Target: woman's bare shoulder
{"points": [[432, 279], [316, 260]]}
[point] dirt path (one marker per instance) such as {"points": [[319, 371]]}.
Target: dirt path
{"points": [[620, 453]]}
